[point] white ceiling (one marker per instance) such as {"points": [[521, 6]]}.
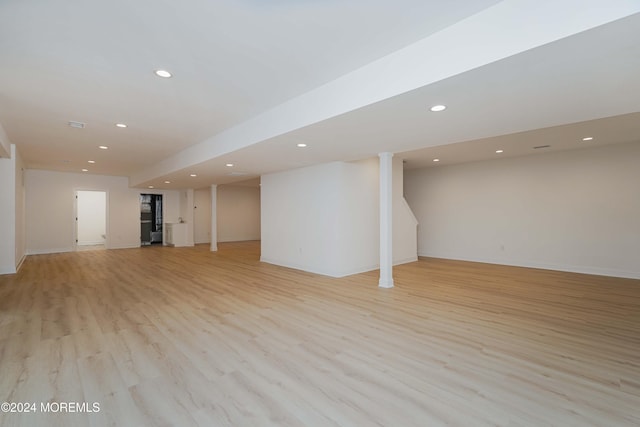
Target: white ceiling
{"points": [[93, 62]]}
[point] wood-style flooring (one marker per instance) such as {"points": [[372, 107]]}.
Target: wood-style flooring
{"points": [[161, 336]]}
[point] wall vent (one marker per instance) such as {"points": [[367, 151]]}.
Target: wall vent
{"points": [[77, 125]]}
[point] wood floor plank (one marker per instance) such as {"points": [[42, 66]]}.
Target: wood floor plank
{"points": [[184, 336]]}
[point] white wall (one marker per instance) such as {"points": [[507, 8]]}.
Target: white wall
{"points": [[357, 215], [573, 210], [238, 213], [5, 145], [92, 217], [50, 217], [20, 226], [405, 224], [202, 216], [12, 228], [325, 218], [8, 214], [300, 220], [187, 213]]}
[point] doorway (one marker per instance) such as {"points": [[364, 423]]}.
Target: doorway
{"points": [[150, 219], [91, 220]]}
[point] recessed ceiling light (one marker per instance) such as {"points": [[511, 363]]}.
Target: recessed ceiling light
{"points": [[121, 125], [436, 160], [163, 73], [499, 151], [301, 145], [587, 138], [103, 147], [151, 186], [91, 161], [437, 108], [85, 170], [167, 182], [193, 174], [229, 165]]}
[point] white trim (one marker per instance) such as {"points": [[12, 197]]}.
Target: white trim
{"points": [[19, 266], [97, 242], [106, 217], [405, 260], [336, 274], [309, 269], [49, 251], [386, 220], [295, 266], [213, 238], [126, 247], [544, 266], [7, 270]]}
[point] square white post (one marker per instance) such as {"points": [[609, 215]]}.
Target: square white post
{"points": [[386, 220], [214, 217]]}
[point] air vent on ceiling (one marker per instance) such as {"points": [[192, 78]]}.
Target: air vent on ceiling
{"points": [[541, 146], [77, 125], [237, 173]]}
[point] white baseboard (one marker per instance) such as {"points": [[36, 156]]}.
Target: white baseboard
{"points": [[7, 270], [92, 243], [308, 269], [13, 270], [406, 260], [48, 251], [597, 271], [125, 247], [239, 239], [19, 266], [331, 273], [297, 267]]}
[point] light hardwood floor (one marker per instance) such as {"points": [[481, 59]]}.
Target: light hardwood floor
{"points": [[182, 336]]}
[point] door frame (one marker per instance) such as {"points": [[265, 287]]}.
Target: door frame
{"points": [[75, 215], [153, 193]]}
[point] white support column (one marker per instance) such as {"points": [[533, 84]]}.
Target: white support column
{"points": [[386, 220], [189, 217], [214, 217]]}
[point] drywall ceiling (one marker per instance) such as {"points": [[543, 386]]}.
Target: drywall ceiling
{"points": [[584, 85], [93, 62], [600, 132]]}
